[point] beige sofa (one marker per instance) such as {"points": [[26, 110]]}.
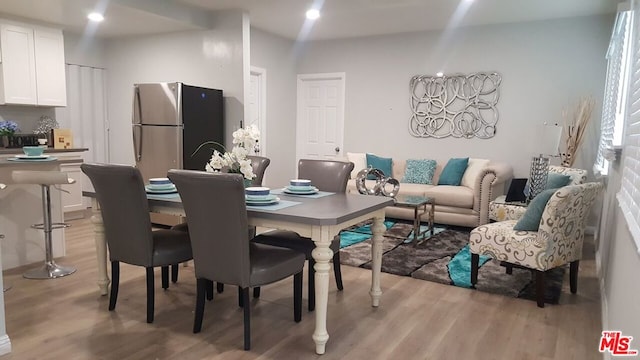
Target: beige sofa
{"points": [[455, 205]]}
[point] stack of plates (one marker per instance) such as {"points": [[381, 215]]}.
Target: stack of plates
{"points": [[32, 158], [264, 200], [160, 186], [294, 190], [257, 196]]}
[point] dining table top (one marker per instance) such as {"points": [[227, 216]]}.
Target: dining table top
{"points": [[328, 210]]}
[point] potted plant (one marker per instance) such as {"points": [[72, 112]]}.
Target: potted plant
{"points": [[234, 161], [7, 129]]}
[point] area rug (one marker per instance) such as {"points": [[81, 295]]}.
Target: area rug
{"points": [[445, 258]]}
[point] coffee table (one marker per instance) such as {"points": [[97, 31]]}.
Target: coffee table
{"points": [[419, 206]]}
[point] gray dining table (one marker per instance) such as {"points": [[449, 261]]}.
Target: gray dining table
{"points": [[317, 218]]}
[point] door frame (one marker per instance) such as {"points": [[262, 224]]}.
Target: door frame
{"points": [[341, 77], [262, 74]]}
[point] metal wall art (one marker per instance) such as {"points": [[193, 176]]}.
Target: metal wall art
{"points": [[459, 105], [380, 188]]}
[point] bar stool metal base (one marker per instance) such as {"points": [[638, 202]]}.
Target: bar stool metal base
{"points": [[50, 270]]}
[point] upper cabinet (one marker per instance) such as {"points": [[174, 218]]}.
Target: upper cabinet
{"points": [[32, 70]]}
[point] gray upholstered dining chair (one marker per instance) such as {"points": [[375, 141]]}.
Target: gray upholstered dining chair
{"points": [[259, 165], [222, 252], [127, 228], [326, 175]]}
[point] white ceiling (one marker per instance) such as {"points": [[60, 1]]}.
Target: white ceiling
{"points": [[339, 19]]}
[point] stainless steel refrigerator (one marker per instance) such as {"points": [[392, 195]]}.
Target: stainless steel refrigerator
{"points": [[170, 121]]}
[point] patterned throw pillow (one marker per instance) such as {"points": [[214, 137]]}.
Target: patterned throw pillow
{"points": [[419, 171]]}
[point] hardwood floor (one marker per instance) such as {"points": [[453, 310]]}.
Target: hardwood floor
{"points": [[66, 318]]}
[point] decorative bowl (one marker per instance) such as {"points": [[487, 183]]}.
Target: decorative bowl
{"points": [[159, 181], [300, 182], [257, 191], [33, 150]]}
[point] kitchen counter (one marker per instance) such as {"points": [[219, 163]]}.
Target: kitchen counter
{"points": [[9, 163], [49, 150]]}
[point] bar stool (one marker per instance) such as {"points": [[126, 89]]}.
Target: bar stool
{"points": [[50, 270], [5, 287]]}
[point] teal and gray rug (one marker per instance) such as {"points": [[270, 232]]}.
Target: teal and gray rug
{"points": [[443, 258]]}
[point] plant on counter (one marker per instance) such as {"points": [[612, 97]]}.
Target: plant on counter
{"points": [[8, 127], [234, 161], [45, 125]]}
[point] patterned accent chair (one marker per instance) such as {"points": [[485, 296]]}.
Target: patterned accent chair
{"points": [[557, 242], [501, 211]]}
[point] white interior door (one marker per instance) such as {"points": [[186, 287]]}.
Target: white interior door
{"points": [[257, 106], [320, 120]]}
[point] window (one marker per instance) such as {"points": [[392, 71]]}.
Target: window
{"points": [[615, 92], [629, 194]]}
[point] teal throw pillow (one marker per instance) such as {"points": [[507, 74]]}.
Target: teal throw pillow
{"points": [[380, 163], [453, 171], [419, 171], [555, 180], [530, 221]]}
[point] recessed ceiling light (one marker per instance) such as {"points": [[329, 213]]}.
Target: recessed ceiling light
{"points": [[313, 14], [439, 74], [94, 16]]}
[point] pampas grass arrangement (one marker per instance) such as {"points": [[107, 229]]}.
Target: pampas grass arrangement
{"points": [[575, 125]]}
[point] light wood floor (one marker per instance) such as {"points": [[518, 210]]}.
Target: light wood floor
{"points": [[67, 319]]}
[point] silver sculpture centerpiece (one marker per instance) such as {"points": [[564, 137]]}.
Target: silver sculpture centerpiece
{"points": [[380, 187]]}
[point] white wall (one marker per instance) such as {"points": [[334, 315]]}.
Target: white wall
{"points": [[545, 66], [210, 58], [274, 54], [619, 265]]}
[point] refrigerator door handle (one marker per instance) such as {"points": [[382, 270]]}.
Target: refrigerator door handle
{"points": [[137, 141]]}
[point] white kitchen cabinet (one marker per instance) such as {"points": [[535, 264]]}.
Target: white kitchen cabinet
{"points": [[72, 201], [32, 70]]}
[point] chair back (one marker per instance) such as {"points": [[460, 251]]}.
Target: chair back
{"points": [[125, 212], [326, 175], [217, 216], [578, 176], [259, 165], [564, 220]]}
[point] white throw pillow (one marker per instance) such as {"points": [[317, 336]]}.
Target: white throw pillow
{"points": [[474, 169], [359, 161]]}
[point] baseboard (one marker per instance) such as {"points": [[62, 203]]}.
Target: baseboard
{"points": [[5, 344], [605, 310]]}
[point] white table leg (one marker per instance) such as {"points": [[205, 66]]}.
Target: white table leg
{"points": [[378, 229], [101, 248], [322, 254]]}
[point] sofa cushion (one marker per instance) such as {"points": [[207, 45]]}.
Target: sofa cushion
{"points": [[453, 171], [419, 171], [474, 169], [414, 189], [449, 195], [359, 161], [380, 163]]}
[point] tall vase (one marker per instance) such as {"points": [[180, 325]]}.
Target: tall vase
{"points": [[538, 176]]}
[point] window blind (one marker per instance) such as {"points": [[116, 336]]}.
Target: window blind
{"points": [[612, 103], [629, 194]]}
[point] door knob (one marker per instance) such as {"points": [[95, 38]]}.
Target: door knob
{"points": [[337, 148]]}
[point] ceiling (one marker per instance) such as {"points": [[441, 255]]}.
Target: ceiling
{"points": [[339, 19]]}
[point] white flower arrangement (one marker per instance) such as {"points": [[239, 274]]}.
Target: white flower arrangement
{"points": [[235, 161]]}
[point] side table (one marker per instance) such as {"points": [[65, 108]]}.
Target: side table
{"points": [[419, 206]]}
